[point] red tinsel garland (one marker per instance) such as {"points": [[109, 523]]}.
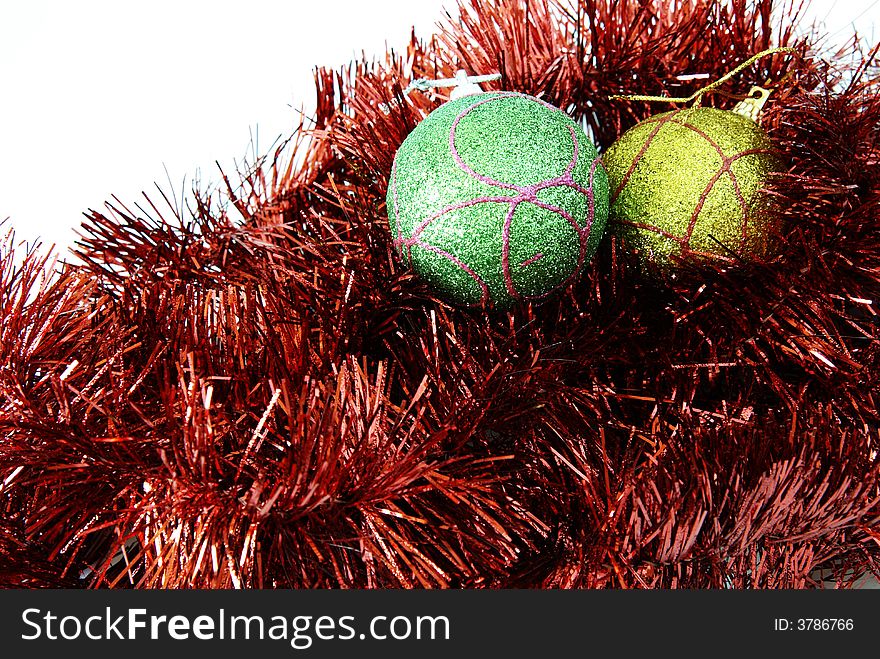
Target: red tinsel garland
{"points": [[278, 403]]}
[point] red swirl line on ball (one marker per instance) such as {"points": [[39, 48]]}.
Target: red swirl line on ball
{"points": [[461, 264], [505, 247], [635, 163], [582, 249], [699, 131], [744, 233], [725, 169], [505, 250], [726, 162], [652, 228], [453, 207], [524, 194], [488, 180], [591, 195], [574, 155]]}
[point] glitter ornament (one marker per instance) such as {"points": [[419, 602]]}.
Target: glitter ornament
{"points": [[497, 196], [688, 183]]}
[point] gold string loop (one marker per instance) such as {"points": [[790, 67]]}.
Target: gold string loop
{"points": [[697, 96]]}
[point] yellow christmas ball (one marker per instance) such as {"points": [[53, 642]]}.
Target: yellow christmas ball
{"points": [[688, 183]]}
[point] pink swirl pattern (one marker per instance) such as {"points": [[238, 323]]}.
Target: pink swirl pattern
{"points": [[524, 194]]}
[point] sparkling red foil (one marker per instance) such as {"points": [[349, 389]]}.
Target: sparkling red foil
{"points": [[279, 403]]}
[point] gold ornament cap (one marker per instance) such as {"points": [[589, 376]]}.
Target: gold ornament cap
{"points": [[753, 104]]}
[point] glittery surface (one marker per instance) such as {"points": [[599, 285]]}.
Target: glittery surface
{"points": [[688, 183], [497, 196]]}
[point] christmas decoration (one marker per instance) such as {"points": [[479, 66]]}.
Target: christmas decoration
{"points": [[497, 196], [688, 183], [273, 399]]}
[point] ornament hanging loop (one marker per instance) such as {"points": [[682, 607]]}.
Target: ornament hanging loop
{"points": [[697, 97], [464, 84]]}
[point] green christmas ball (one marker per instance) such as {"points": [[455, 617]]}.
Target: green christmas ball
{"points": [[688, 183], [497, 197]]}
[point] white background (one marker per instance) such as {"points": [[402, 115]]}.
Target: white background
{"points": [[100, 97]]}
